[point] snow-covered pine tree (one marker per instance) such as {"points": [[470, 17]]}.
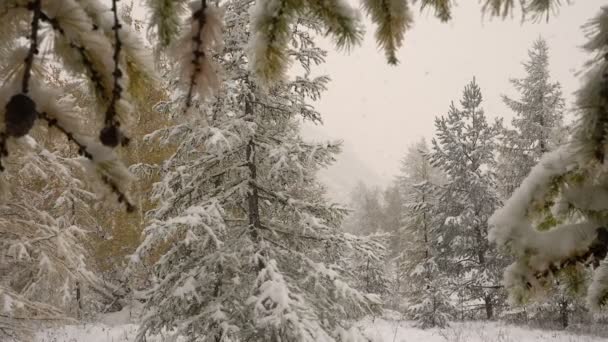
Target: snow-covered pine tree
{"points": [[370, 267], [464, 149], [555, 222], [242, 232], [537, 126], [425, 288]]}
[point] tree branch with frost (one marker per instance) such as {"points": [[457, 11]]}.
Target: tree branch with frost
{"points": [[111, 135], [442, 8], [73, 13], [536, 8], [393, 18], [166, 19], [198, 71]]}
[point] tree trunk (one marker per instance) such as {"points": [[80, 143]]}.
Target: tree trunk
{"points": [[78, 299], [563, 313], [489, 308], [253, 210]]}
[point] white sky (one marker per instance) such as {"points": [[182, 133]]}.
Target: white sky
{"points": [[378, 109]]}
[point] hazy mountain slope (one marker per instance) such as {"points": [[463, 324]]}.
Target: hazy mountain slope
{"points": [[349, 169]]}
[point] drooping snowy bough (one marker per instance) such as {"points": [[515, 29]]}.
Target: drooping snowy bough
{"points": [[556, 221], [88, 41]]}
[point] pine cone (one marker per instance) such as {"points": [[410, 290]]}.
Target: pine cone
{"points": [[20, 115], [110, 136]]}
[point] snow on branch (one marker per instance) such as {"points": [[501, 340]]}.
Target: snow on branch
{"points": [[393, 18], [272, 22], [195, 49]]}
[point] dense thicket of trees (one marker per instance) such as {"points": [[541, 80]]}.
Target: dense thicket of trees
{"points": [[447, 195]]}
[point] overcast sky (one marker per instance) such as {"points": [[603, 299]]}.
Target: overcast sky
{"points": [[378, 110]]}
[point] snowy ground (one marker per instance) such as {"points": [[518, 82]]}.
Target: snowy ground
{"points": [[381, 330], [376, 330]]}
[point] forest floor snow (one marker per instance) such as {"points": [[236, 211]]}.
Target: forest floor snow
{"points": [[382, 330], [374, 329]]}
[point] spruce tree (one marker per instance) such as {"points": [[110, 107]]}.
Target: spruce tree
{"points": [[538, 121], [536, 129], [465, 150], [249, 237]]}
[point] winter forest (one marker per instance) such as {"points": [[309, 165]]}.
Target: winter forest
{"points": [[159, 180]]}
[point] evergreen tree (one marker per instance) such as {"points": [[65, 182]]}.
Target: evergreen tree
{"points": [[464, 150], [419, 260], [249, 236], [537, 126], [370, 267], [554, 223], [46, 216], [537, 129]]}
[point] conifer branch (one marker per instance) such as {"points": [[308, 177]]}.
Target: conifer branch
{"points": [[111, 135], [33, 6], [52, 122], [20, 113], [94, 74], [443, 8], [601, 126], [393, 18], [198, 51], [82, 150]]}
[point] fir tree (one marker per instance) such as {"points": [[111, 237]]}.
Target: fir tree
{"points": [[419, 260], [537, 125], [537, 129], [464, 150], [247, 230], [370, 267]]}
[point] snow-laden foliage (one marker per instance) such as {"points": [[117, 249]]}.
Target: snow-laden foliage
{"points": [[93, 42], [246, 242], [89, 41], [425, 286], [536, 129], [370, 266], [555, 221], [464, 150], [537, 126], [45, 217], [393, 18]]}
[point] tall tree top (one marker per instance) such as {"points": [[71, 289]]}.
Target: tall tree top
{"points": [[471, 96], [541, 101]]}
